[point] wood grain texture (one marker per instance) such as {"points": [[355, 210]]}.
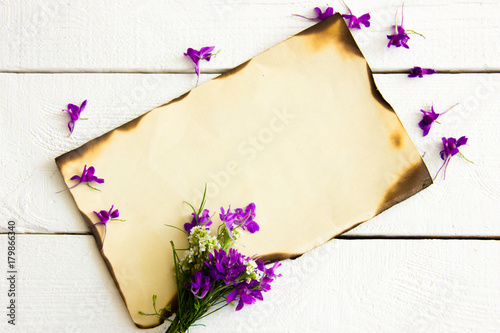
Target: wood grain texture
{"points": [[343, 286], [33, 132], [135, 36]]}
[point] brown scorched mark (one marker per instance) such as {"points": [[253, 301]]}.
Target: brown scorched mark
{"points": [[175, 100], [334, 29], [396, 140], [233, 71], [97, 237], [279, 256], [375, 92], [413, 180], [89, 146]]}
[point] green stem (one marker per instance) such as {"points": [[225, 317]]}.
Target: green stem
{"points": [[416, 33], [184, 231], [462, 156], [93, 187]]}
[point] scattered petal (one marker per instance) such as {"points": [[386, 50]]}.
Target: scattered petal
{"points": [[320, 15], [400, 37], [356, 22], [429, 118], [205, 53], [420, 72], [106, 216], [203, 220], [74, 113], [87, 177], [450, 149]]}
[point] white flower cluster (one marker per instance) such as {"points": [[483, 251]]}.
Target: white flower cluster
{"points": [[200, 244], [252, 272], [236, 233]]}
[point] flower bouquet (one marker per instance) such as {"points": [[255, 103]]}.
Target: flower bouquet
{"points": [[212, 273]]}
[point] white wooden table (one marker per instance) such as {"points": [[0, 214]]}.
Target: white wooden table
{"points": [[429, 264]]}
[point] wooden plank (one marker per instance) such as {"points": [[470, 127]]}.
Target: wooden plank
{"points": [[346, 286], [132, 36], [34, 131]]}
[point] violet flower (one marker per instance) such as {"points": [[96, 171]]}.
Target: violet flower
{"points": [[245, 294], [248, 292], [429, 118], [86, 177], [355, 22], [74, 112], [203, 220], [199, 285], [105, 217], [450, 146], [420, 72], [226, 266], [227, 218], [320, 16], [400, 38], [205, 53], [240, 218]]}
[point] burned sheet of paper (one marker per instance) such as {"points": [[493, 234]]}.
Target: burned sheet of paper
{"points": [[300, 130]]}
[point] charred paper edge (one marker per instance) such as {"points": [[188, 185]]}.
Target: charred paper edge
{"points": [[393, 196]]}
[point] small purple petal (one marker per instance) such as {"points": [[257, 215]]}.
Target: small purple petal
{"points": [[205, 52], [420, 72], [196, 56], [115, 214], [71, 126], [90, 173], [98, 180], [75, 177], [240, 305], [104, 215], [82, 107], [328, 12], [365, 19], [74, 111], [462, 141]]}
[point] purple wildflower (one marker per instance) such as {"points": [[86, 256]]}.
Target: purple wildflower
{"points": [[227, 218], [450, 146], [105, 217], [240, 218], [420, 72], [226, 266], [400, 38], [245, 219], [199, 285], [74, 112], [429, 118], [203, 220], [320, 16], [205, 53], [86, 177], [245, 293], [355, 22], [248, 292]]}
